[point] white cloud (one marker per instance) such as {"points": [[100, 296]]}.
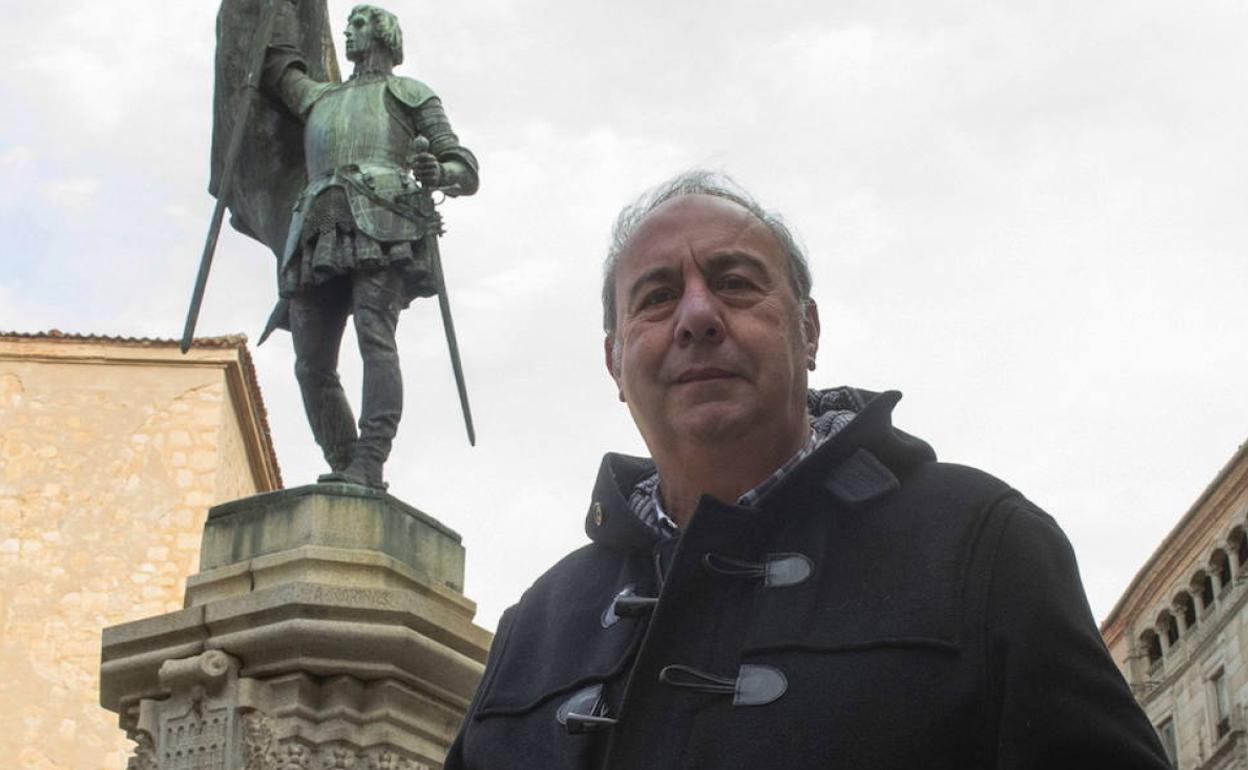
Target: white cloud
{"points": [[74, 193], [18, 157]]}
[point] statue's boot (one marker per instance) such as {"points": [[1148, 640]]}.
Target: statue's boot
{"points": [[339, 456], [363, 470]]}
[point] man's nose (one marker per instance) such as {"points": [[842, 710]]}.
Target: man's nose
{"points": [[698, 317]]}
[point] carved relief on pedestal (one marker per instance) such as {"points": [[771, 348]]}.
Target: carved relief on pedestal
{"points": [[339, 758], [144, 751], [195, 724], [294, 756], [385, 760], [195, 740], [258, 749]]}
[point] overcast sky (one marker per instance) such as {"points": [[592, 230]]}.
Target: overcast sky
{"points": [[1028, 217]]}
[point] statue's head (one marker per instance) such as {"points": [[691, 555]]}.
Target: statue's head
{"points": [[370, 26]]}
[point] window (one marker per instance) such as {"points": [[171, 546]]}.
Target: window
{"points": [[1183, 603], [1152, 646], [1240, 542], [1204, 587], [1171, 627], [1222, 565], [1221, 703], [1165, 731]]}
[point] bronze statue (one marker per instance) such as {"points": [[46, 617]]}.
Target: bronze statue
{"points": [[360, 236]]}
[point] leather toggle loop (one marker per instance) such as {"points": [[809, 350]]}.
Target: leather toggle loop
{"points": [[778, 571], [689, 678], [585, 711], [758, 685], [754, 685]]}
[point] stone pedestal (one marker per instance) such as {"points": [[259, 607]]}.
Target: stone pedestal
{"points": [[326, 628]]}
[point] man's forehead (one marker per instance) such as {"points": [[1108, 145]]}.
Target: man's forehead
{"points": [[697, 208], [695, 221]]}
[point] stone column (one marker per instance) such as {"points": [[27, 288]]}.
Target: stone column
{"points": [[1215, 575], [1180, 618], [326, 628]]}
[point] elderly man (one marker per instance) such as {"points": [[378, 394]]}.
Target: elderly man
{"points": [[791, 582]]}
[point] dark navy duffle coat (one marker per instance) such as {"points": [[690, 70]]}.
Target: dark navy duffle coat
{"points": [[875, 610]]}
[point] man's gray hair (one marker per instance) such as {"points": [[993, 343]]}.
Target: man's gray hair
{"points": [[385, 29], [698, 182]]}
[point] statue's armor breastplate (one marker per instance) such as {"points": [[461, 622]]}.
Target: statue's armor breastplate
{"points": [[351, 126]]}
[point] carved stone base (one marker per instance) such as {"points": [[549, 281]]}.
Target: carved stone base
{"points": [[325, 631]]}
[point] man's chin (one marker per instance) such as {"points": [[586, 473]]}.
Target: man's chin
{"points": [[711, 420]]}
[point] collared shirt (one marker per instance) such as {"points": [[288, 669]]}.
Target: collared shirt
{"points": [[646, 499]]}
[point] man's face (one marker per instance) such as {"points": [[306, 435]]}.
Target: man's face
{"points": [[360, 35], [709, 332]]}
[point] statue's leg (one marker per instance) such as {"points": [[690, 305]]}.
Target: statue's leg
{"points": [[317, 320], [377, 299]]}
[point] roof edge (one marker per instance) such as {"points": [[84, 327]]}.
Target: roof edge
{"points": [[1173, 536], [56, 335]]}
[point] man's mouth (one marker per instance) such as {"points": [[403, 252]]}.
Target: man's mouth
{"points": [[703, 373]]}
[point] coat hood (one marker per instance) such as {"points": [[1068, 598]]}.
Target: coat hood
{"points": [[610, 521]]}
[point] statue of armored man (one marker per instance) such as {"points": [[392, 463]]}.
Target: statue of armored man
{"points": [[358, 234]]}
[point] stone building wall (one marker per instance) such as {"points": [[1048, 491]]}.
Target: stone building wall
{"points": [[1180, 632], [111, 452]]}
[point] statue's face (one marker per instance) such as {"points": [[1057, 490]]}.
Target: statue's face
{"points": [[360, 35]]}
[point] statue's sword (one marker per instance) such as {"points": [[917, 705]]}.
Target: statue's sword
{"points": [[247, 97], [421, 144], [444, 304]]}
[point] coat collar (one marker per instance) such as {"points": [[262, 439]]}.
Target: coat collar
{"points": [[860, 463]]}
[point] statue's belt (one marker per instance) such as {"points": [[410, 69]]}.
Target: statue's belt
{"points": [[419, 210]]}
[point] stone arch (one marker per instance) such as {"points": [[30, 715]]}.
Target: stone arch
{"points": [[1185, 609], [1237, 545], [1220, 567]]}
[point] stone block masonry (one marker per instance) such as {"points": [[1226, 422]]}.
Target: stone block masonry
{"points": [[111, 452]]}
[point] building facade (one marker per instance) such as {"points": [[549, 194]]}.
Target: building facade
{"points": [[1180, 632], [111, 452]]}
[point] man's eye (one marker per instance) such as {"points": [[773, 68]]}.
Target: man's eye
{"points": [[657, 297], [734, 283]]}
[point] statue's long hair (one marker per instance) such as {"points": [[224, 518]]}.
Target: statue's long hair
{"points": [[386, 28]]}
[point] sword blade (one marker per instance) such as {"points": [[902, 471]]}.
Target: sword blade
{"points": [[448, 324]]}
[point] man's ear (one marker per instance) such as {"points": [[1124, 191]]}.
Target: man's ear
{"points": [[810, 323], [608, 354]]}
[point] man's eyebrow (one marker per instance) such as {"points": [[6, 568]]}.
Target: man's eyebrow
{"points": [[659, 274], [725, 260]]}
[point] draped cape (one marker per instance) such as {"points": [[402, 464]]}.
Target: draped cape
{"points": [[270, 171]]}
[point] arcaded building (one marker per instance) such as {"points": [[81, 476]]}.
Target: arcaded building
{"points": [[111, 452], [1180, 632]]}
